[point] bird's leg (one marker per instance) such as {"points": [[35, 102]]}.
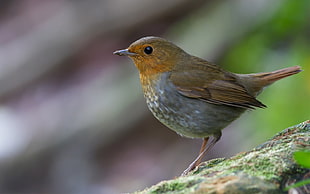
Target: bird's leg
{"points": [[198, 159], [203, 150]]}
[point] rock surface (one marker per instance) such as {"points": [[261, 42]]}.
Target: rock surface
{"points": [[268, 168]]}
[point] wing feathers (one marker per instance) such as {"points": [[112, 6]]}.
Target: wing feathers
{"points": [[226, 90]]}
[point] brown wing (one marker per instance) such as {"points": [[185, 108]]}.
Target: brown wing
{"points": [[214, 86]]}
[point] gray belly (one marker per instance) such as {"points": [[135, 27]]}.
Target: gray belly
{"points": [[188, 116]]}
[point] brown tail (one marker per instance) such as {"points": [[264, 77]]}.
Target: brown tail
{"points": [[260, 80], [273, 76]]}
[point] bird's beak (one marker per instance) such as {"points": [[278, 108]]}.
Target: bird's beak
{"points": [[124, 52]]}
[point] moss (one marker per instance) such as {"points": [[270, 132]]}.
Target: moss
{"points": [[265, 169], [180, 185], [259, 161]]}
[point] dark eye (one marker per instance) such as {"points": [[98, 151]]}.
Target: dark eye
{"points": [[148, 50]]}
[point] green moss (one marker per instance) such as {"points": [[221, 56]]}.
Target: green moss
{"points": [[261, 170], [209, 164], [180, 185], [268, 161]]}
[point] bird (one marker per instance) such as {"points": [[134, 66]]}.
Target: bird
{"points": [[192, 96]]}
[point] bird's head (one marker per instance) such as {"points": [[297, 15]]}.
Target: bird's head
{"points": [[153, 55]]}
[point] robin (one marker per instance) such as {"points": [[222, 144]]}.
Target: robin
{"points": [[191, 96]]}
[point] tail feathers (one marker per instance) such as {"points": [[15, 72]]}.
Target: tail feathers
{"points": [[261, 80], [270, 77]]}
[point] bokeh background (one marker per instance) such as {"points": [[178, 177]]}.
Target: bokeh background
{"points": [[72, 115]]}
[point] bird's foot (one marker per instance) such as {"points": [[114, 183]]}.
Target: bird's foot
{"points": [[189, 168]]}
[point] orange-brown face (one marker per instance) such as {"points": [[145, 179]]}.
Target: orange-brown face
{"points": [[152, 55]]}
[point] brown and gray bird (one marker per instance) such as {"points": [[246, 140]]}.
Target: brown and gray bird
{"points": [[192, 96]]}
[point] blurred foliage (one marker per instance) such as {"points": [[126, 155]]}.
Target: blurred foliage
{"points": [[298, 184], [287, 29], [303, 158], [279, 42]]}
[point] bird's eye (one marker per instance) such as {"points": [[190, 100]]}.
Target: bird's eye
{"points": [[148, 50]]}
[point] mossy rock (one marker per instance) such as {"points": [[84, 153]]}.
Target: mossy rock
{"points": [[268, 168]]}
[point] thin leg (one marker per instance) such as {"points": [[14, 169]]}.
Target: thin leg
{"points": [[203, 150]]}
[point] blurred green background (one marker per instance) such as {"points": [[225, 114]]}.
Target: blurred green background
{"points": [[72, 115]]}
